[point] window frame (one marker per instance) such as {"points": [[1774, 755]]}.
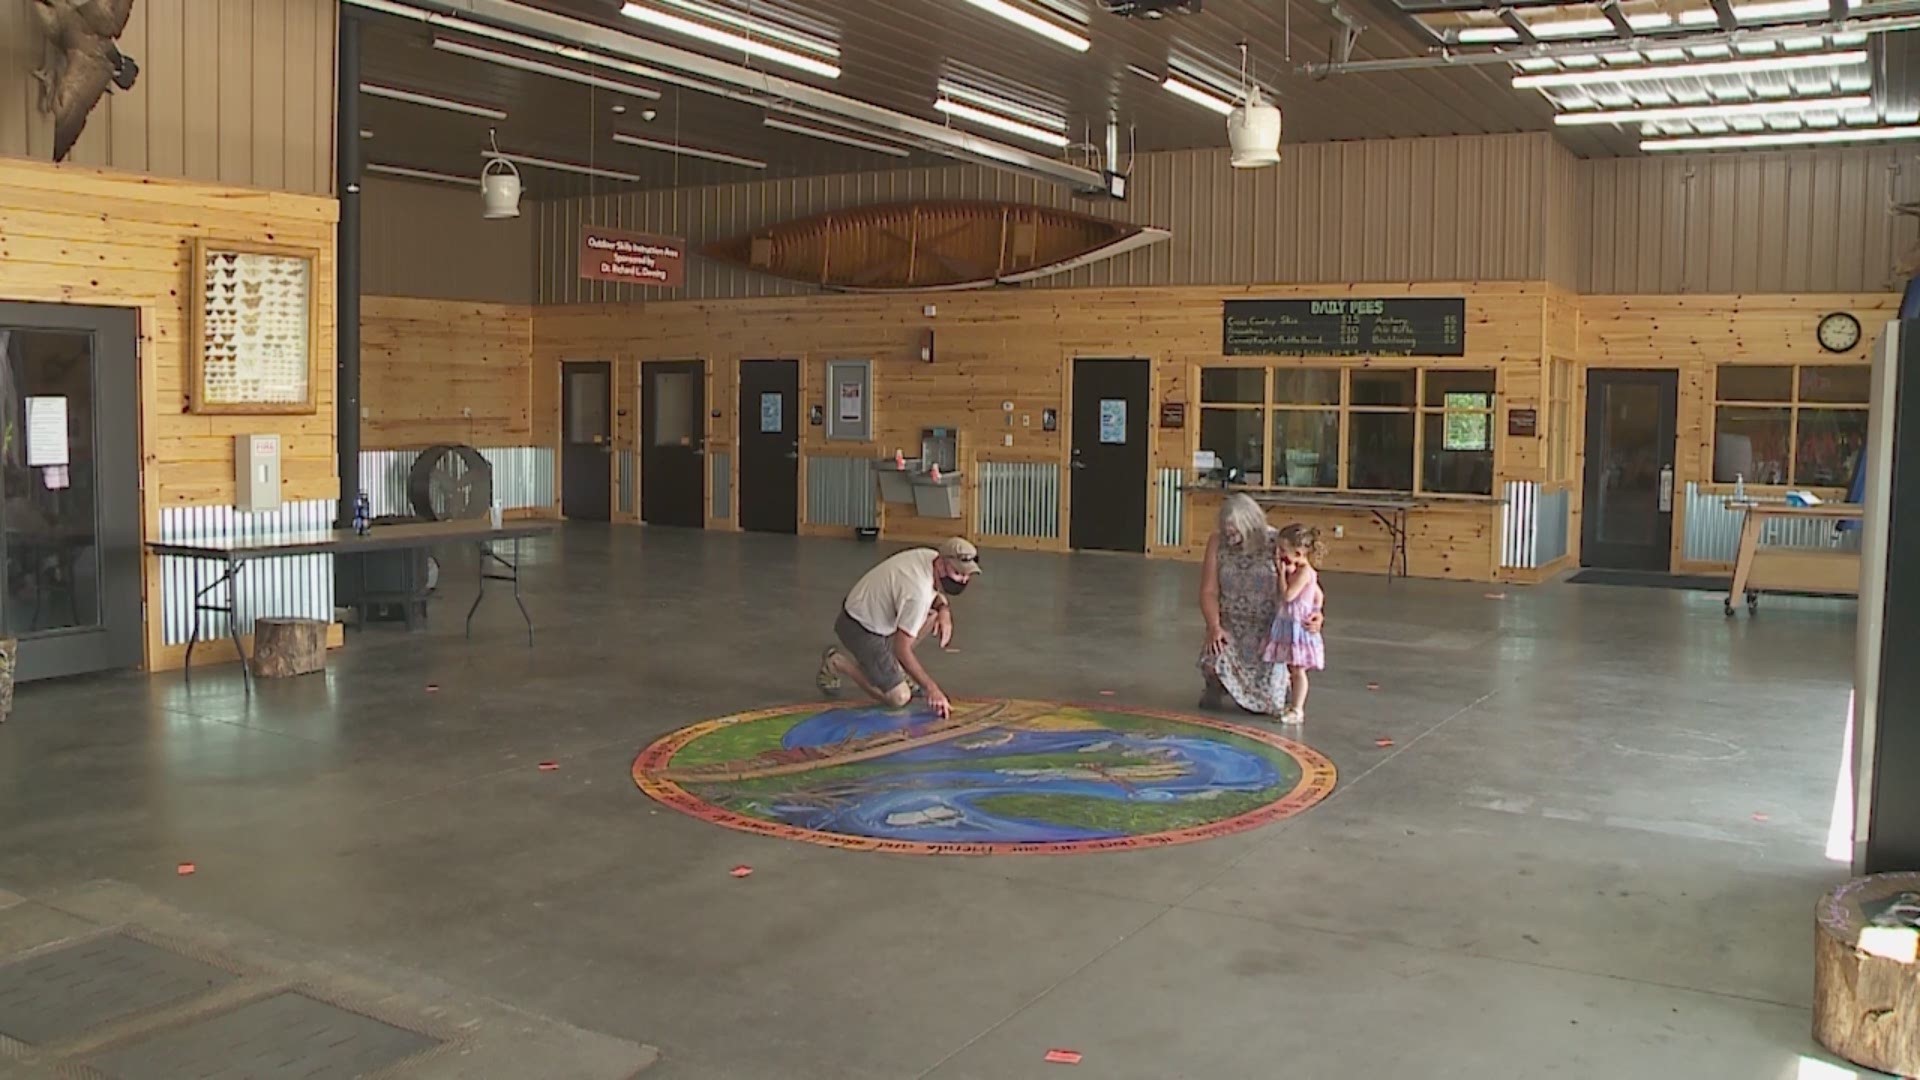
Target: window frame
{"points": [[1417, 410], [1793, 406]]}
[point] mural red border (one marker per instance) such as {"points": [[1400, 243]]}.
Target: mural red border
{"points": [[1317, 779]]}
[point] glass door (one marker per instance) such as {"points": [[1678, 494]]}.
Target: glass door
{"points": [[69, 487], [1628, 514]]}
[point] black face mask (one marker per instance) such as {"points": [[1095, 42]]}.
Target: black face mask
{"points": [[952, 587]]}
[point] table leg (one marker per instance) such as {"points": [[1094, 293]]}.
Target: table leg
{"points": [[516, 592], [233, 623], [229, 578], [512, 574], [193, 632], [1750, 528]]}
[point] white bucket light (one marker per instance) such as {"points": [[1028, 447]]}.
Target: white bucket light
{"points": [[499, 190], [1253, 132]]}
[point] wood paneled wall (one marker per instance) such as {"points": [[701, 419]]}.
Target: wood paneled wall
{"points": [[1446, 209], [236, 92], [86, 236], [1010, 345], [428, 240], [1794, 222], [435, 371]]}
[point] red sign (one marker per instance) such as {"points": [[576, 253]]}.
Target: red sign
{"points": [[631, 257]]}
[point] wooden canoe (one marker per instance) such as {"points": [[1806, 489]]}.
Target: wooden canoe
{"points": [[934, 246]]}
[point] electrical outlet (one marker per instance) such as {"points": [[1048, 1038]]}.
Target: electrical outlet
{"points": [[1339, 531], [1026, 419], [467, 412], [1009, 438]]}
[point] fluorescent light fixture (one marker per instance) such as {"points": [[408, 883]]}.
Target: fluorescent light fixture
{"points": [[758, 27], [537, 67], [1480, 35], [1715, 110], [560, 166], [666, 20], [1784, 138], [686, 151], [1704, 70], [834, 136], [422, 174], [1204, 98], [995, 120], [1052, 31], [394, 93], [1003, 106], [1595, 27]]}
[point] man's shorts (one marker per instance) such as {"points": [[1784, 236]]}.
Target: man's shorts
{"points": [[872, 652]]}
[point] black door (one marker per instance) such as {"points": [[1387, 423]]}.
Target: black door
{"points": [[586, 465], [1109, 482], [673, 443], [770, 445], [70, 487], [1628, 510]]}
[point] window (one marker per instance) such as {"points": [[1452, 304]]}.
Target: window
{"points": [[1351, 429], [1802, 425], [1560, 421]]}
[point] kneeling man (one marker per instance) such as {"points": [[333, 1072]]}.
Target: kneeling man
{"points": [[890, 610]]}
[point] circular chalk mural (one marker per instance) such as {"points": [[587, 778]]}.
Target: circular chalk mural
{"points": [[997, 777]]}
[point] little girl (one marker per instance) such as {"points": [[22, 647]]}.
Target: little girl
{"points": [[1297, 552]]}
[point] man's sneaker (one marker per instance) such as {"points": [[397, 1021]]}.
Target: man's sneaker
{"points": [[828, 679]]}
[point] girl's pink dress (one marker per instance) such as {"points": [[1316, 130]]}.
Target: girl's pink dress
{"points": [[1290, 642]]}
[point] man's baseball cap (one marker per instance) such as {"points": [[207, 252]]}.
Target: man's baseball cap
{"points": [[961, 555]]}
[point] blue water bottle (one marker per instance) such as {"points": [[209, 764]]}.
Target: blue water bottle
{"points": [[362, 511]]}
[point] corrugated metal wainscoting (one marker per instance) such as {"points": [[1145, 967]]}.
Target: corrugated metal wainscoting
{"points": [[841, 491], [721, 483], [298, 587], [1533, 525], [1173, 509], [522, 477], [1713, 531], [1018, 498]]}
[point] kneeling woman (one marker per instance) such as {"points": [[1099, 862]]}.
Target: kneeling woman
{"points": [[1239, 592]]}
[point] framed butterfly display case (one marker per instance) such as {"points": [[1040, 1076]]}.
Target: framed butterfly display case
{"points": [[254, 324]]}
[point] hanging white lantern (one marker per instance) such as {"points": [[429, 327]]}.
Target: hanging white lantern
{"points": [[1253, 133], [499, 189]]}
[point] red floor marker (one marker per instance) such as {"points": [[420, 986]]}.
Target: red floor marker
{"points": [[1373, 686], [1106, 693], [185, 869], [433, 688], [1496, 596], [1064, 1057], [549, 766], [741, 871], [1762, 817], [1383, 742]]}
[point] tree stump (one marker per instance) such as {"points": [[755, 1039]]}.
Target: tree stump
{"points": [[1866, 981], [287, 647]]}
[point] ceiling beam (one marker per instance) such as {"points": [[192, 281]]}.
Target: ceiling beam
{"points": [[516, 23], [1524, 32], [1452, 7], [1621, 27], [1723, 10]]}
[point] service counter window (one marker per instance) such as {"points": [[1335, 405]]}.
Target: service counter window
{"points": [[1351, 429], [1798, 425]]}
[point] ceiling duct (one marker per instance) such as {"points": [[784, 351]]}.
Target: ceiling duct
{"points": [[586, 42]]}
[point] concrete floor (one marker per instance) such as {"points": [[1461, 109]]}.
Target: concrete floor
{"points": [[1592, 851]]}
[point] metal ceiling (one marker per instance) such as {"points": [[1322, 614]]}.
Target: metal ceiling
{"points": [[894, 54]]}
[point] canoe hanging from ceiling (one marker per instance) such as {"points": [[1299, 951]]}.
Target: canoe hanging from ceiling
{"points": [[931, 245]]}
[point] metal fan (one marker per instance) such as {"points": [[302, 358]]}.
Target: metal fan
{"points": [[449, 483]]}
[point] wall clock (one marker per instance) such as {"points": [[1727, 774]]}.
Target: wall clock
{"points": [[1839, 332]]}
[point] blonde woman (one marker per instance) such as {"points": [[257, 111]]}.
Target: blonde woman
{"points": [[1239, 594]]}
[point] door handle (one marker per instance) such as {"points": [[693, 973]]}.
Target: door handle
{"points": [[1666, 489], [1078, 464], [793, 455]]}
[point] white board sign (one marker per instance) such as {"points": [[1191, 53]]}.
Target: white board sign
{"points": [[46, 431]]}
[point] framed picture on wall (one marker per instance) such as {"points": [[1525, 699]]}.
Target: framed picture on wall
{"points": [[252, 329]]}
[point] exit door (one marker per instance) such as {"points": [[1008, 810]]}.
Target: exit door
{"points": [[586, 463], [1108, 485], [770, 445], [70, 487], [1628, 511], [673, 443]]}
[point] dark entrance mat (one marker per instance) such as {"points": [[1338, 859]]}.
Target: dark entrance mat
{"points": [[288, 1036], [60, 994], [1652, 579]]}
